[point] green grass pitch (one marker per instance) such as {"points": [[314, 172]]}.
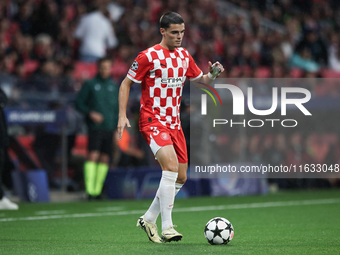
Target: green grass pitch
{"points": [[283, 223]]}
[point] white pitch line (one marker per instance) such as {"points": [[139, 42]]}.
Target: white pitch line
{"points": [[260, 205], [109, 209], [50, 212], [187, 209]]}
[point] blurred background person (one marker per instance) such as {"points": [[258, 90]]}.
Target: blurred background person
{"points": [[130, 154], [95, 35], [98, 101], [5, 203]]}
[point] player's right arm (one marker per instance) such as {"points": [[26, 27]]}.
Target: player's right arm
{"points": [[123, 98], [136, 73]]}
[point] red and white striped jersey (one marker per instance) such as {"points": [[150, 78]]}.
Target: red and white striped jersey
{"points": [[162, 74]]}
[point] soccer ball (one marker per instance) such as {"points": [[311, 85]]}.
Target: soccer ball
{"points": [[219, 231]]}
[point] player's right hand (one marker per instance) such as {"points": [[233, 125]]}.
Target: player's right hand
{"points": [[122, 123]]}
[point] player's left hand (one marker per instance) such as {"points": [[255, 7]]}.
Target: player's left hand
{"points": [[216, 63]]}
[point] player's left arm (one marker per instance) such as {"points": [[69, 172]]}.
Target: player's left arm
{"points": [[194, 73]]}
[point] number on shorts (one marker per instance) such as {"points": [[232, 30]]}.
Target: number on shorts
{"points": [[155, 130]]}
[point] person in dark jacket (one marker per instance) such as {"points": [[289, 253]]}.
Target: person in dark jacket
{"points": [[98, 102], [5, 203]]}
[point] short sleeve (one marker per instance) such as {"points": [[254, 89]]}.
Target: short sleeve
{"points": [[139, 68], [193, 72]]}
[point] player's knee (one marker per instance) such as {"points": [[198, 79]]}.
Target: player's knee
{"points": [[104, 158], [93, 156], [172, 167]]}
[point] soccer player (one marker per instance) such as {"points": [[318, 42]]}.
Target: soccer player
{"points": [[161, 70]]}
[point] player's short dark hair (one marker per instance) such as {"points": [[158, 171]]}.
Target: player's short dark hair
{"points": [[103, 59], [170, 18]]}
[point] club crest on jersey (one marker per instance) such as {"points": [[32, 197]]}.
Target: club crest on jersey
{"points": [[184, 64], [165, 136], [134, 65]]}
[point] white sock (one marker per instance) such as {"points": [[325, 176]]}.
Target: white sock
{"points": [[166, 192], [152, 213]]}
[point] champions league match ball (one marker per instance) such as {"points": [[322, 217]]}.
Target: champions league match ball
{"points": [[219, 231]]}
